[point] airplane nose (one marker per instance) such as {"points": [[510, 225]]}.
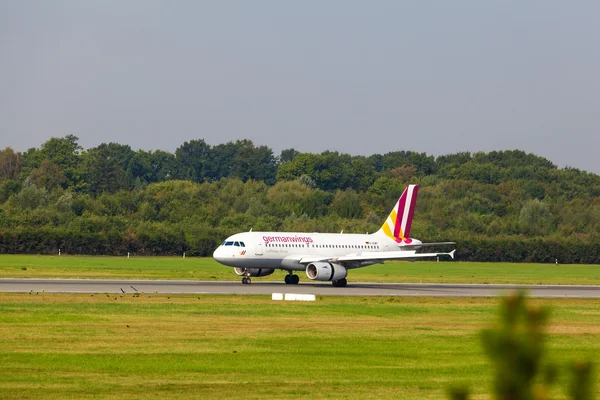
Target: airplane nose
{"points": [[218, 254]]}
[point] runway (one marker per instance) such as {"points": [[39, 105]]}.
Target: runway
{"points": [[267, 288]]}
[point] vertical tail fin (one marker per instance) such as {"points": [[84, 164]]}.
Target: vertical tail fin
{"points": [[398, 223]]}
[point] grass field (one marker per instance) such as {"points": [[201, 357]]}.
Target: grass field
{"points": [[24, 266], [234, 347]]}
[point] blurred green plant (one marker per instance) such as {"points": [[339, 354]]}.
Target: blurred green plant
{"points": [[516, 350]]}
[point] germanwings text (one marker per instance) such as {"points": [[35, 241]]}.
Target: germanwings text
{"points": [[287, 239]]}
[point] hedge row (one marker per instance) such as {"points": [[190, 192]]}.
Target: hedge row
{"points": [[50, 240], [529, 250]]}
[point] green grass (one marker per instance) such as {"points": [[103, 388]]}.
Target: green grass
{"points": [[249, 347], [25, 266]]}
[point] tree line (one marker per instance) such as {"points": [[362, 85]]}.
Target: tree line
{"points": [[111, 199]]}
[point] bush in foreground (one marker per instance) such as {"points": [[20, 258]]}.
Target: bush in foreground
{"points": [[516, 350]]}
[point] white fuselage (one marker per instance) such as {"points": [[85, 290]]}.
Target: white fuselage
{"points": [[284, 250]]}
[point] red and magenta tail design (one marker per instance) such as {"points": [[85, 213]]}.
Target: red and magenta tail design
{"points": [[397, 225]]}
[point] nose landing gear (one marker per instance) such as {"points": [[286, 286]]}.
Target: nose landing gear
{"points": [[246, 279]]}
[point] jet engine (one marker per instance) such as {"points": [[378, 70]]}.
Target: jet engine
{"points": [[324, 271], [253, 271]]}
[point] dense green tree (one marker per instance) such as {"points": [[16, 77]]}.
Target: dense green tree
{"points": [[48, 175], [403, 173], [424, 164], [362, 174], [193, 161], [105, 168], [251, 162], [10, 164], [535, 218], [316, 203], [9, 187], [31, 197], [153, 166], [303, 164], [65, 153], [30, 160], [286, 197], [346, 204], [376, 160], [329, 170], [512, 158], [65, 202], [288, 155]]}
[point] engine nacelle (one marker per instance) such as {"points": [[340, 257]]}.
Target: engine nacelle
{"points": [[253, 271], [324, 271]]}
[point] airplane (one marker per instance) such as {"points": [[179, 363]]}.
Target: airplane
{"points": [[326, 256]]}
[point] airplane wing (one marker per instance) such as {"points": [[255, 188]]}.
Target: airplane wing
{"points": [[375, 256]]}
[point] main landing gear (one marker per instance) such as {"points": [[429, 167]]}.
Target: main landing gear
{"points": [[292, 279], [340, 283]]}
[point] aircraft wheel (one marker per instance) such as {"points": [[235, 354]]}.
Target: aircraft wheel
{"points": [[340, 283], [287, 279], [246, 281], [295, 279]]}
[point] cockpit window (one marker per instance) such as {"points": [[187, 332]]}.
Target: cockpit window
{"points": [[242, 244], [228, 243], [237, 244]]}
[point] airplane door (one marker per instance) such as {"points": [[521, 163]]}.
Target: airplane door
{"points": [[258, 250]]}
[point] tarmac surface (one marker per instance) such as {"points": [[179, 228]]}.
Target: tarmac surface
{"points": [[267, 288]]}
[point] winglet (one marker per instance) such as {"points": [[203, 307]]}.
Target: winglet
{"points": [[451, 254]]}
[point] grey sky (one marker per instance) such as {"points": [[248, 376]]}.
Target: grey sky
{"points": [[360, 77]]}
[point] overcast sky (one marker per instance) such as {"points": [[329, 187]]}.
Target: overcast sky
{"points": [[360, 77]]}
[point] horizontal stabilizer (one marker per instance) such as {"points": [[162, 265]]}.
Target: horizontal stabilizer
{"points": [[390, 255], [417, 246]]}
